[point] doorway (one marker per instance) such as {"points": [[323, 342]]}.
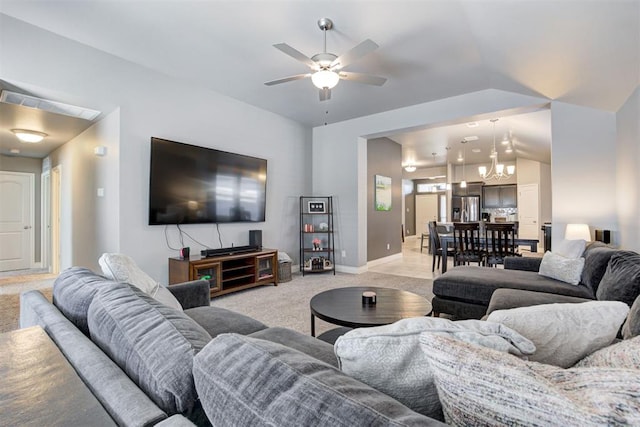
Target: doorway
{"points": [[54, 219], [16, 220], [528, 211], [426, 210]]}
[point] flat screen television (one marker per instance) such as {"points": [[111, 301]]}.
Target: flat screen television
{"points": [[196, 185]]}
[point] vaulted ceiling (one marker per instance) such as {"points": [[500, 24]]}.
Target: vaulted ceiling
{"points": [[581, 52]]}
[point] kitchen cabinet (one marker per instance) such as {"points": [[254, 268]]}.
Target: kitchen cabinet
{"points": [[473, 189], [499, 196]]}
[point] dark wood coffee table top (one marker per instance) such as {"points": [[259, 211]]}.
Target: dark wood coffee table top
{"points": [[343, 306]]}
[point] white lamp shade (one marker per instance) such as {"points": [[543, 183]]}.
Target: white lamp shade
{"points": [[482, 170], [511, 169], [325, 79], [577, 232], [463, 184], [500, 168]]}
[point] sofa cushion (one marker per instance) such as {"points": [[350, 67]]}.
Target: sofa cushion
{"points": [[217, 320], [73, 291], [621, 281], [476, 284], [298, 341], [505, 299], [565, 333], [596, 259], [123, 268], [266, 383], [631, 326], [389, 358], [481, 386], [154, 344], [560, 268]]}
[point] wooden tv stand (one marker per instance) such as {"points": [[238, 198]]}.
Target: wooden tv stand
{"points": [[227, 273]]}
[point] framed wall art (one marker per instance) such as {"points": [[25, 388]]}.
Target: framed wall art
{"points": [[382, 193]]}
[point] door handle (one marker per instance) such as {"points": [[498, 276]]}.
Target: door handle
{"points": [[26, 227]]}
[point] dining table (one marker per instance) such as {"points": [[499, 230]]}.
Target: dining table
{"points": [[446, 239]]}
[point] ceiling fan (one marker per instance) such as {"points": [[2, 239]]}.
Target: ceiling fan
{"points": [[327, 68]]}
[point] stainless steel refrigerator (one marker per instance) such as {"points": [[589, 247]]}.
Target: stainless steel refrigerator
{"points": [[465, 208]]}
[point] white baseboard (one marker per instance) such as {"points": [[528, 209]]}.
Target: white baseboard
{"points": [[376, 262]]}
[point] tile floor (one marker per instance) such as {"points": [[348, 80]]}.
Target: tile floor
{"points": [[413, 263]]}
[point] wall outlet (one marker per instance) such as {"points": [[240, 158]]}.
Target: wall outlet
{"points": [[344, 253], [388, 246]]}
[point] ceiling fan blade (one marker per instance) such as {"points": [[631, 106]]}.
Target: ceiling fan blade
{"points": [[355, 53], [288, 79], [362, 78], [296, 54], [325, 94]]}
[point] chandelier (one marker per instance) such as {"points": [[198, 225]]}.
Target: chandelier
{"points": [[497, 170]]}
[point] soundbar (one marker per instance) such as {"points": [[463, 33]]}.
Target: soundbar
{"points": [[229, 251]]}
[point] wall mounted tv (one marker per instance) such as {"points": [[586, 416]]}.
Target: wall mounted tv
{"points": [[195, 185]]}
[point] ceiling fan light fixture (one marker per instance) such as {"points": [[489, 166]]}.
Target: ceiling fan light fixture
{"points": [[325, 79], [29, 136]]}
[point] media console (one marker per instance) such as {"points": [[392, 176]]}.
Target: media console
{"points": [[228, 272]]}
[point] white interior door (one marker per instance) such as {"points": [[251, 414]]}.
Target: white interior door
{"points": [[16, 220], [528, 211], [426, 210]]}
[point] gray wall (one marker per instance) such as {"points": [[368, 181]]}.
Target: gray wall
{"points": [[154, 104], [628, 173], [384, 157], [34, 166]]}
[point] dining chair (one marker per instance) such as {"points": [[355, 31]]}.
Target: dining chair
{"points": [[466, 242], [436, 247], [499, 243]]}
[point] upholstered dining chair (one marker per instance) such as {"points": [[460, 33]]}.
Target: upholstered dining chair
{"points": [[466, 242], [499, 242], [436, 247]]}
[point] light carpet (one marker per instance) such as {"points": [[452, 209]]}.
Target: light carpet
{"points": [[287, 304]]}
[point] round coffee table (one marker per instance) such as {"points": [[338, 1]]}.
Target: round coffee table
{"points": [[344, 307]]}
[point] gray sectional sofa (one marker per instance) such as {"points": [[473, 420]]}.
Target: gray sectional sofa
{"points": [[148, 364], [468, 292]]}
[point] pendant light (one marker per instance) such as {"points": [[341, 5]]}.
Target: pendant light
{"points": [[497, 170]]}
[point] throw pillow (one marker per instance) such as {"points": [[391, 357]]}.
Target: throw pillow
{"points": [[570, 248], [243, 381], [389, 359], [596, 259], [481, 386], [123, 268], [560, 268], [625, 355], [621, 281], [152, 343], [631, 326], [565, 333]]}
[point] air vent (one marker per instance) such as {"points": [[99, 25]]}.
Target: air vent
{"points": [[15, 98]]}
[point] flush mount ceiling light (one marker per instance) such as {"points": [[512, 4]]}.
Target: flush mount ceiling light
{"points": [[410, 168], [497, 169], [29, 136]]}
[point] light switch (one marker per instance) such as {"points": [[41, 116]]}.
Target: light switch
{"points": [[100, 192]]}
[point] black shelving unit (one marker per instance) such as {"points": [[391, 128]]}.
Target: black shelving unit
{"points": [[317, 244]]}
